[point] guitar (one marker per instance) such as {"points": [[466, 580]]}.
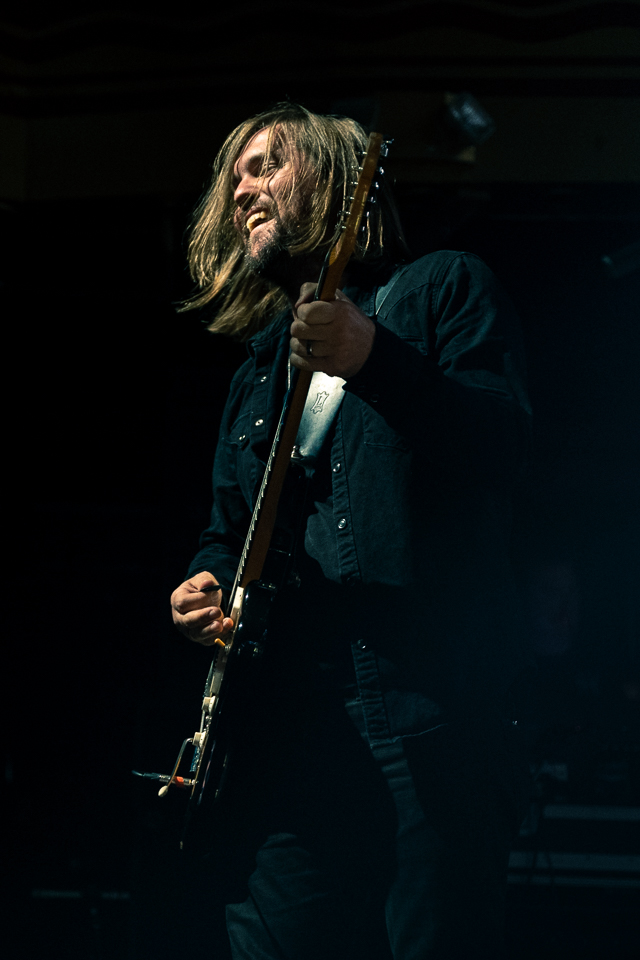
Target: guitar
{"points": [[235, 665]]}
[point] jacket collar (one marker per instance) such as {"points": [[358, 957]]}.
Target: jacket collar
{"points": [[281, 322]]}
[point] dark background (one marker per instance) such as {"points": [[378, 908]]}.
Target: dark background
{"points": [[114, 399]]}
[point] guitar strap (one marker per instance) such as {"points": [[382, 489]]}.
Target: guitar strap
{"points": [[323, 401], [383, 292]]}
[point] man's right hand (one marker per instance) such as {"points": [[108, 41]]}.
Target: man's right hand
{"points": [[193, 613]]}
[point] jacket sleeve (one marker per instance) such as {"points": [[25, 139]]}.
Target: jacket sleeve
{"points": [[446, 371], [222, 542]]}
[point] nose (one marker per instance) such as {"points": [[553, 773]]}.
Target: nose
{"points": [[248, 188]]}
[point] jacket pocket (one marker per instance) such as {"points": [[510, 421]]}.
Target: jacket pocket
{"points": [[238, 436], [376, 432], [239, 453]]}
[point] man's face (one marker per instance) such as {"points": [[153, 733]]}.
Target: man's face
{"points": [[264, 214]]}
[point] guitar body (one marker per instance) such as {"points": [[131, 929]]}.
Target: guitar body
{"points": [[235, 673]]}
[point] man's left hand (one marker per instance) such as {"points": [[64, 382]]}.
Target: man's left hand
{"points": [[338, 334]]}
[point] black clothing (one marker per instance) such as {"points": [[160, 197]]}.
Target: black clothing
{"points": [[397, 851], [406, 550], [377, 815]]}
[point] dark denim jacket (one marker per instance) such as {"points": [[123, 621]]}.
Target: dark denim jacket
{"points": [[430, 437]]}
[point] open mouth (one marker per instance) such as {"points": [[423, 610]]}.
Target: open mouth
{"points": [[256, 219]]}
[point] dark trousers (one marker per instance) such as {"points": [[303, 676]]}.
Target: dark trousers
{"points": [[398, 851]]}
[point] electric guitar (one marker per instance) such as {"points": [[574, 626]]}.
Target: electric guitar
{"points": [[235, 664]]}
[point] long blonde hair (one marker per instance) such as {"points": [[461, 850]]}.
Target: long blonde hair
{"points": [[328, 149]]}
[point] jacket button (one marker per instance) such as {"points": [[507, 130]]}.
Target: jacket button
{"points": [[263, 379], [259, 423], [361, 645], [337, 467], [342, 524], [352, 580]]}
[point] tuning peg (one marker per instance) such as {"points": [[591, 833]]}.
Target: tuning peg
{"points": [[384, 149]]}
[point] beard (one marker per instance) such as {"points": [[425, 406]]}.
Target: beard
{"points": [[272, 260]]}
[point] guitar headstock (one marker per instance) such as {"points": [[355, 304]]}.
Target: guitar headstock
{"points": [[364, 191]]}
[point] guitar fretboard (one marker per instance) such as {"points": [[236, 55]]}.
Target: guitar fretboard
{"points": [[248, 543]]}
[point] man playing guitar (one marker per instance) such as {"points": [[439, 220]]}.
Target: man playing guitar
{"points": [[378, 787]]}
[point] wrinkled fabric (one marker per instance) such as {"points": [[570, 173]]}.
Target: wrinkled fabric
{"points": [[405, 565], [370, 853]]}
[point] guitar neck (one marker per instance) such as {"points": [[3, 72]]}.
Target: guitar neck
{"points": [[265, 511], [264, 515]]}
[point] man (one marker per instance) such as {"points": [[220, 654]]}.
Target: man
{"points": [[378, 794]]}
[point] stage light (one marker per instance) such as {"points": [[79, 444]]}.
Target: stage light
{"points": [[468, 119]]}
